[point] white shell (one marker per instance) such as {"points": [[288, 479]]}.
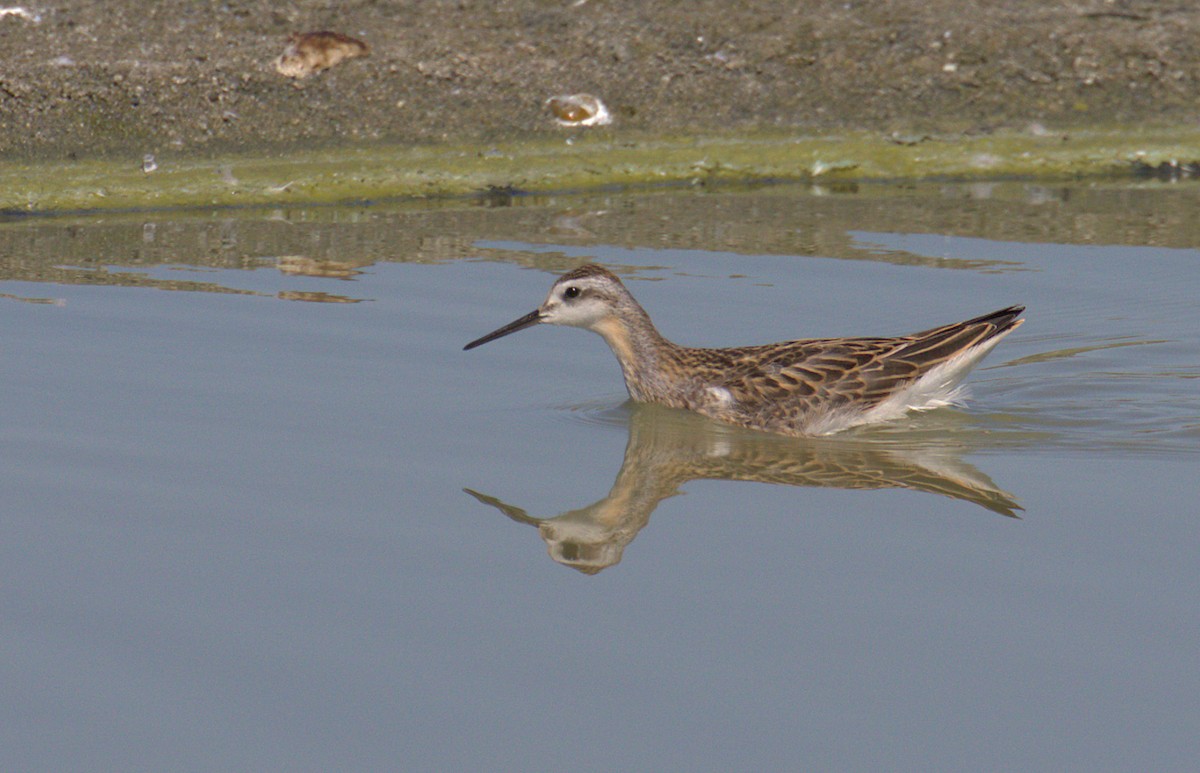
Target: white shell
{"points": [[579, 110]]}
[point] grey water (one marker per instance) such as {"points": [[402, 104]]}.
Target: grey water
{"points": [[260, 511]]}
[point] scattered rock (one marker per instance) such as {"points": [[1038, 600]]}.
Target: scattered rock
{"points": [[20, 12], [311, 52], [1168, 170]]}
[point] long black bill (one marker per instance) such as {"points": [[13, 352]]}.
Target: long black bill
{"points": [[530, 319]]}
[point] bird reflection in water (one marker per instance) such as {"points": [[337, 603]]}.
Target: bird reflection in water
{"points": [[668, 447]]}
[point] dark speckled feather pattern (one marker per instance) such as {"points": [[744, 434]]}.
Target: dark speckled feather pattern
{"points": [[803, 387]]}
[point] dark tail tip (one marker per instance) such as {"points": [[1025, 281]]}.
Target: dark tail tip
{"points": [[1003, 319]]}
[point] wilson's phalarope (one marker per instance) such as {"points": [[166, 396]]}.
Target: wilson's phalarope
{"points": [[807, 387]]}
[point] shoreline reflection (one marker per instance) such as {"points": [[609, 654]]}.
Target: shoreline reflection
{"points": [[668, 448]]}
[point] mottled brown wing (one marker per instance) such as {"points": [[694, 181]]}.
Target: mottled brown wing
{"points": [[830, 373], [818, 373]]}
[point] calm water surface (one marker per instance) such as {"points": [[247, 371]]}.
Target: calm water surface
{"points": [[261, 512]]}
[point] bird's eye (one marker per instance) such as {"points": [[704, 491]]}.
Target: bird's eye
{"points": [[571, 292]]}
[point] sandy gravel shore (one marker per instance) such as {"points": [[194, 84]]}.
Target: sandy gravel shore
{"points": [[126, 77]]}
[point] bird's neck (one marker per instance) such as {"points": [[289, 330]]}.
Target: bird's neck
{"points": [[646, 357]]}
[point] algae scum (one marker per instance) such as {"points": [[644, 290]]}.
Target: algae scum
{"points": [[579, 161]]}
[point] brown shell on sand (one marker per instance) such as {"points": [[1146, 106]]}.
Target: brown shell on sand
{"points": [[310, 52]]}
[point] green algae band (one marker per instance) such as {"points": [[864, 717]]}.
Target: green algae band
{"points": [[576, 162]]}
